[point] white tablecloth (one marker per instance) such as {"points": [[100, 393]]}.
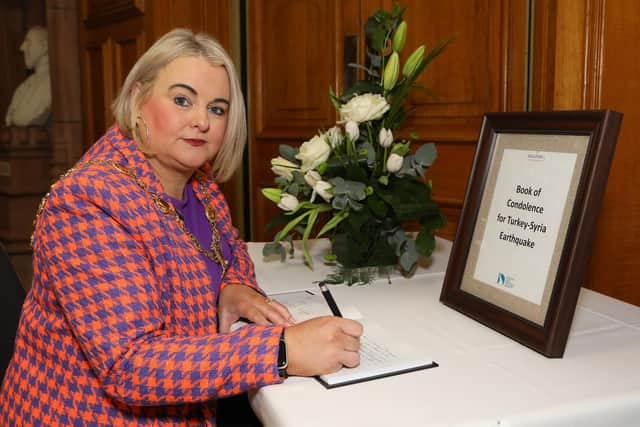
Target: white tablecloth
{"points": [[484, 378]]}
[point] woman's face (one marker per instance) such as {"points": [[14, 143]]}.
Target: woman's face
{"points": [[186, 113]]}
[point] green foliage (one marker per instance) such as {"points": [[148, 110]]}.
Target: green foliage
{"points": [[355, 193]]}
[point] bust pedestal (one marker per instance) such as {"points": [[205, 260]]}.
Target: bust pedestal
{"points": [[24, 180]]}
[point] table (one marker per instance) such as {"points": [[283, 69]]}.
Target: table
{"points": [[484, 378]]}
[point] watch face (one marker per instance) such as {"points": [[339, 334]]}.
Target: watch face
{"points": [[282, 355], [282, 358]]}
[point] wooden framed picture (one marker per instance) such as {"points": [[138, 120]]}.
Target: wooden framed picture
{"points": [[528, 222]]}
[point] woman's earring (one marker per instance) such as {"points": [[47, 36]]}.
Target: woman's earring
{"points": [[146, 129]]}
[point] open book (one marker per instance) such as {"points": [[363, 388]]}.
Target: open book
{"points": [[382, 353]]}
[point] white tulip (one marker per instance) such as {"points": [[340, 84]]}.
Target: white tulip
{"points": [[385, 137], [313, 152], [394, 162], [283, 167], [324, 189], [288, 202], [353, 130]]}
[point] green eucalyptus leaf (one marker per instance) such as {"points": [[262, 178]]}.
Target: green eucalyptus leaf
{"points": [[294, 189], [289, 153], [339, 201], [298, 177], [398, 239], [355, 190], [281, 181], [426, 154], [274, 248], [409, 257], [356, 206]]}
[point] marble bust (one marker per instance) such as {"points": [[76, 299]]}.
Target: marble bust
{"points": [[31, 101]]}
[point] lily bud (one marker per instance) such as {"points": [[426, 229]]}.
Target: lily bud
{"points": [[385, 137], [391, 72], [394, 163], [353, 130], [288, 202], [413, 62], [400, 37], [272, 194]]}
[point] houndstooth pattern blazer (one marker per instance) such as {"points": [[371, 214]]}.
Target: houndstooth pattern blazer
{"points": [[120, 327]]}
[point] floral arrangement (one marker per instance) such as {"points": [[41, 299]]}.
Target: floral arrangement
{"points": [[355, 182]]}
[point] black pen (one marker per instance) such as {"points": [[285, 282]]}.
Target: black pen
{"points": [[329, 298]]}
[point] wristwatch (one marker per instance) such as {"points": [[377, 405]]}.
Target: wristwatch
{"points": [[282, 357]]}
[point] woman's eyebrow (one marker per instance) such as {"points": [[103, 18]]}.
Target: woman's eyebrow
{"points": [[195, 92], [184, 86]]}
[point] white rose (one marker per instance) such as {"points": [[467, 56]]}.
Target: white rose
{"points": [[324, 189], [283, 167], [334, 136], [352, 129], [385, 137], [394, 162], [313, 152], [288, 202], [311, 178], [364, 108]]}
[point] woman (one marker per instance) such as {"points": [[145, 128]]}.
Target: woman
{"points": [[139, 273]]}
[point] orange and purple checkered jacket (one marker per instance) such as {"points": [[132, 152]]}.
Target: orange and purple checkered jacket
{"points": [[119, 328]]}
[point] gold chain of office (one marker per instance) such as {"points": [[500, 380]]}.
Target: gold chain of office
{"points": [[214, 252]]}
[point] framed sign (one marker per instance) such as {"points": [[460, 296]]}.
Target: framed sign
{"points": [[528, 222]]}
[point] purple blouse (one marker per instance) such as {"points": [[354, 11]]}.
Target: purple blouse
{"points": [[195, 219]]}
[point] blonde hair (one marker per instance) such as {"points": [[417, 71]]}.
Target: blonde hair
{"points": [[180, 43]]}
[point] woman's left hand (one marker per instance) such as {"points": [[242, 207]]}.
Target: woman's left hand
{"points": [[238, 301]]}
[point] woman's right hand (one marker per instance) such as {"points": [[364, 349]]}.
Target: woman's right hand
{"points": [[322, 345]]}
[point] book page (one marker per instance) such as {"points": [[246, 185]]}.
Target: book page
{"points": [[382, 353]]}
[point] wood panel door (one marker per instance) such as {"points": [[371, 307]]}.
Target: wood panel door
{"points": [[298, 49], [112, 37]]}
